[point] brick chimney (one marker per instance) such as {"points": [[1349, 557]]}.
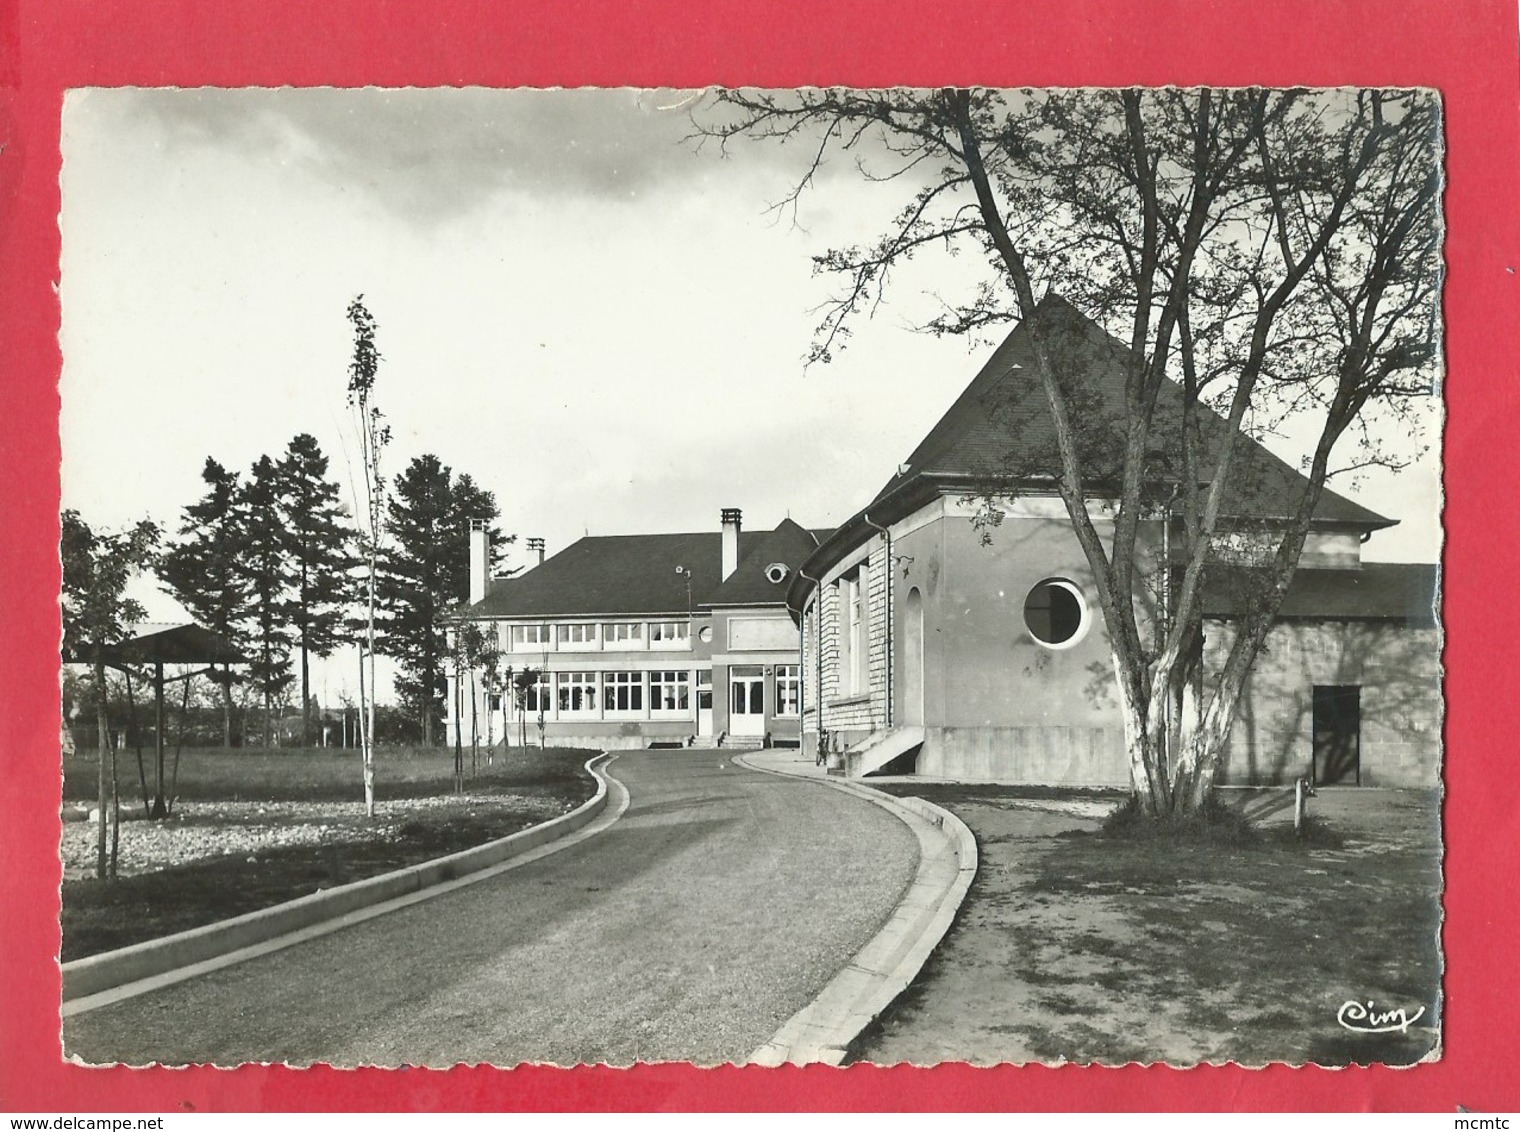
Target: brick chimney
{"points": [[480, 560], [731, 520]]}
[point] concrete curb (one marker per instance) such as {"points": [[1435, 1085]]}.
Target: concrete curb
{"points": [[823, 1030], [110, 969]]}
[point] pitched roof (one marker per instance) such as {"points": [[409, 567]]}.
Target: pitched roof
{"points": [[170, 642], [789, 544], [625, 575], [1001, 425], [1379, 591]]}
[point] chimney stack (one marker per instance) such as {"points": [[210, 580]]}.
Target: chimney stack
{"points": [[535, 546], [480, 560], [731, 517]]}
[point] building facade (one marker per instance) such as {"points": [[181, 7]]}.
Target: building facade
{"points": [[1347, 688], [941, 640], [637, 640]]}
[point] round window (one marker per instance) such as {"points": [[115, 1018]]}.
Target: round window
{"points": [[704, 634], [1056, 613], [776, 573]]}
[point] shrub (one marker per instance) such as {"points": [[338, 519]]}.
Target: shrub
{"points": [[1213, 823]]}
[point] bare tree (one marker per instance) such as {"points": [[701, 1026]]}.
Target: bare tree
{"points": [[374, 435], [491, 685], [1257, 257]]}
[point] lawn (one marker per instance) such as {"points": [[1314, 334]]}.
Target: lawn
{"points": [[254, 828], [325, 774], [1072, 946]]}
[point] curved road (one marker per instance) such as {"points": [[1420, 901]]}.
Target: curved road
{"points": [[720, 904]]}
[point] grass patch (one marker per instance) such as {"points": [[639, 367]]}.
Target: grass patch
{"points": [[1092, 946], [326, 774], [1313, 833], [103, 915]]}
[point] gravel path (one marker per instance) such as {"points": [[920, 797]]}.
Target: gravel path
{"points": [[721, 903], [198, 830]]}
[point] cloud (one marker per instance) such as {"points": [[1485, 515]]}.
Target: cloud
{"points": [[431, 154]]}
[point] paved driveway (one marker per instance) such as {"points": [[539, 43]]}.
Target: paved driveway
{"points": [[719, 905]]}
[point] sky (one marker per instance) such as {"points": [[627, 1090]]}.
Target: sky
{"points": [[602, 323]]}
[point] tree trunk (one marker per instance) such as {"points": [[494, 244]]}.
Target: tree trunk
{"points": [[369, 721], [305, 693], [179, 740], [490, 728], [103, 733], [227, 705], [160, 804], [474, 730], [1138, 744], [366, 727], [458, 735], [115, 814], [305, 659], [426, 720], [142, 774]]}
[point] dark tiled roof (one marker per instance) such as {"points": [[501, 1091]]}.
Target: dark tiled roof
{"points": [[624, 575], [789, 544], [1003, 411], [1383, 591]]}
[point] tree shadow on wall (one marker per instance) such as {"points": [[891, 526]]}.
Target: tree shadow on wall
{"points": [[1273, 738]]}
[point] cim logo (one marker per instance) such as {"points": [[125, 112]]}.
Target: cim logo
{"points": [[1364, 1018]]}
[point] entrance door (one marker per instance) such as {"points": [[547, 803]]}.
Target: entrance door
{"points": [[913, 660], [746, 701], [1337, 735], [704, 702]]}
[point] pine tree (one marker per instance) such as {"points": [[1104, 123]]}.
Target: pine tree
{"points": [[319, 540], [204, 570], [266, 560], [426, 576]]}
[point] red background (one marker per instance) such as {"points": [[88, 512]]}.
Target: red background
{"points": [[1466, 48]]}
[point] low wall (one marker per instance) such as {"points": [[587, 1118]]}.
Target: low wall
{"points": [[1038, 756]]}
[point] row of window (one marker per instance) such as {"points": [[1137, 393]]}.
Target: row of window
{"points": [[601, 634], [575, 693], [667, 691]]}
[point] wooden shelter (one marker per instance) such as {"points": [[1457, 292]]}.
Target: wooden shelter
{"points": [[153, 645]]}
